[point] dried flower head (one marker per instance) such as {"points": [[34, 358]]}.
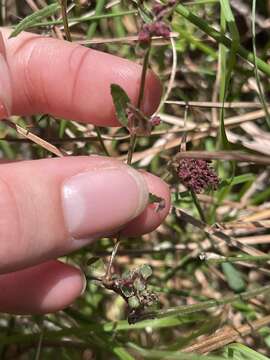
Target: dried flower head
{"points": [[197, 175], [155, 120], [132, 286], [139, 123], [157, 28]]}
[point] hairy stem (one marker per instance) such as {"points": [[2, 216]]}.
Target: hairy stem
{"points": [[114, 252], [198, 205], [63, 4], [101, 141], [133, 136]]}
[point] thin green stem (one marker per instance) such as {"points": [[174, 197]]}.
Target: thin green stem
{"points": [[174, 270], [63, 4], [188, 309], [233, 259], [39, 346], [114, 252], [198, 205], [143, 75], [132, 142], [101, 141], [133, 136], [256, 72], [84, 19]]}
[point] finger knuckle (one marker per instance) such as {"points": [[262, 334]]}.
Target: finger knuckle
{"points": [[77, 58]]}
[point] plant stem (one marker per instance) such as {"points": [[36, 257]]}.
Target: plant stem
{"points": [[256, 72], [233, 259], [143, 76], [178, 312], [102, 144], [198, 205], [85, 19], [132, 142], [114, 252], [188, 309], [63, 4], [133, 136]]}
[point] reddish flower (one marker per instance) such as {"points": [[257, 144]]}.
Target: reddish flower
{"points": [[197, 175], [158, 28], [145, 34], [155, 120]]}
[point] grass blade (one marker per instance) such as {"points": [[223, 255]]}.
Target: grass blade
{"points": [[34, 18], [256, 70]]}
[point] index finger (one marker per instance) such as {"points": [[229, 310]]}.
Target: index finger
{"points": [[71, 81]]}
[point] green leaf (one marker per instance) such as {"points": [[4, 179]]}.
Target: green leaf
{"points": [[133, 302], [92, 260], [169, 355], [120, 100], [228, 63], [146, 271], [154, 199], [240, 179], [242, 352], [233, 277], [127, 291], [97, 267], [144, 13], [256, 70], [139, 285], [34, 18]]}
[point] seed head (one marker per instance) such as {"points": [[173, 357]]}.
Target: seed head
{"points": [[155, 120], [157, 28], [197, 175]]}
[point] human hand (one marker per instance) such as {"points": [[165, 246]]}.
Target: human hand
{"points": [[54, 206]]}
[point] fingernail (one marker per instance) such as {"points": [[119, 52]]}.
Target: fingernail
{"points": [[101, 200]]}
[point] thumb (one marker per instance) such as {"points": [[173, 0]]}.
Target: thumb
{"points": [[54, 206], [5, 86]]}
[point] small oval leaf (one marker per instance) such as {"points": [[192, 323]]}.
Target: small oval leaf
{"points": [[120, 100]]}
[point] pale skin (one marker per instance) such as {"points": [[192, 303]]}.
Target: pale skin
{"points": [[52, 207]]}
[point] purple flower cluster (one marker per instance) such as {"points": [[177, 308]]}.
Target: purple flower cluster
{"points": [[197, 175], [155, 120], [157, 28], [140, 124]]}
